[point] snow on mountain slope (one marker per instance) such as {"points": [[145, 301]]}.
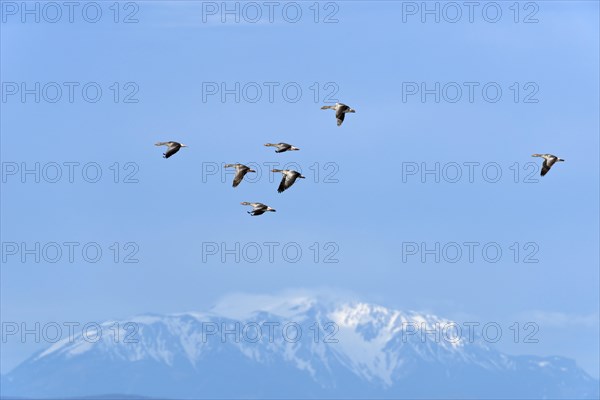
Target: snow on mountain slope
{"points": [[292, 347]]}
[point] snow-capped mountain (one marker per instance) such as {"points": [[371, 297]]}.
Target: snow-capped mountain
{"points": [[297, 348]]}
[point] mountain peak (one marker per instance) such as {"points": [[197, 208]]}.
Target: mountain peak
{"points": [[313, 347]]}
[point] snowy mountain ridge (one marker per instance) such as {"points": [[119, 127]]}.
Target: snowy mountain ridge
{"points": [[313, 348]]}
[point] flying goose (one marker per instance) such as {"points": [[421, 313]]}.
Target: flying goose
{"points": [[340, 111], [240, 171], [172, 148], [281, 147], [257, 208], [549, 161], [289, 177]]}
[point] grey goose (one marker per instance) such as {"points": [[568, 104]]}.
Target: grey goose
{"points": [[240, 171], [281, 147], [340, 111], [172, 148], [289, 177], [549, 161], [257, 208]]}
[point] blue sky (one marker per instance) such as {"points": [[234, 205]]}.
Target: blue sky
{"points": [[368, 213]]}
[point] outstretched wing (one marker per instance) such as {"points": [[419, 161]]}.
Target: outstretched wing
{"points": [[281, 147], [287, 182], [241, 172], [545, 168], [339, 115], [173, 148], [282, 186]]}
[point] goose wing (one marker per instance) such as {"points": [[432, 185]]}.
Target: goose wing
{"points": [[281, 147], [340, 114], [239, 175], [545, 167], [286, 182], [173, 148], [259, 206]]}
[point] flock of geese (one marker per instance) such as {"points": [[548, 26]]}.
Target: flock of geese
{"points": [[289, 176]]}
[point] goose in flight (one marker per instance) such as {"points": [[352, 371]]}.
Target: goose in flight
{"points": [[257, 208], [340, 111], [172, 148], [240, 171], [549, 161], [289, 177], [281, 147]]}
